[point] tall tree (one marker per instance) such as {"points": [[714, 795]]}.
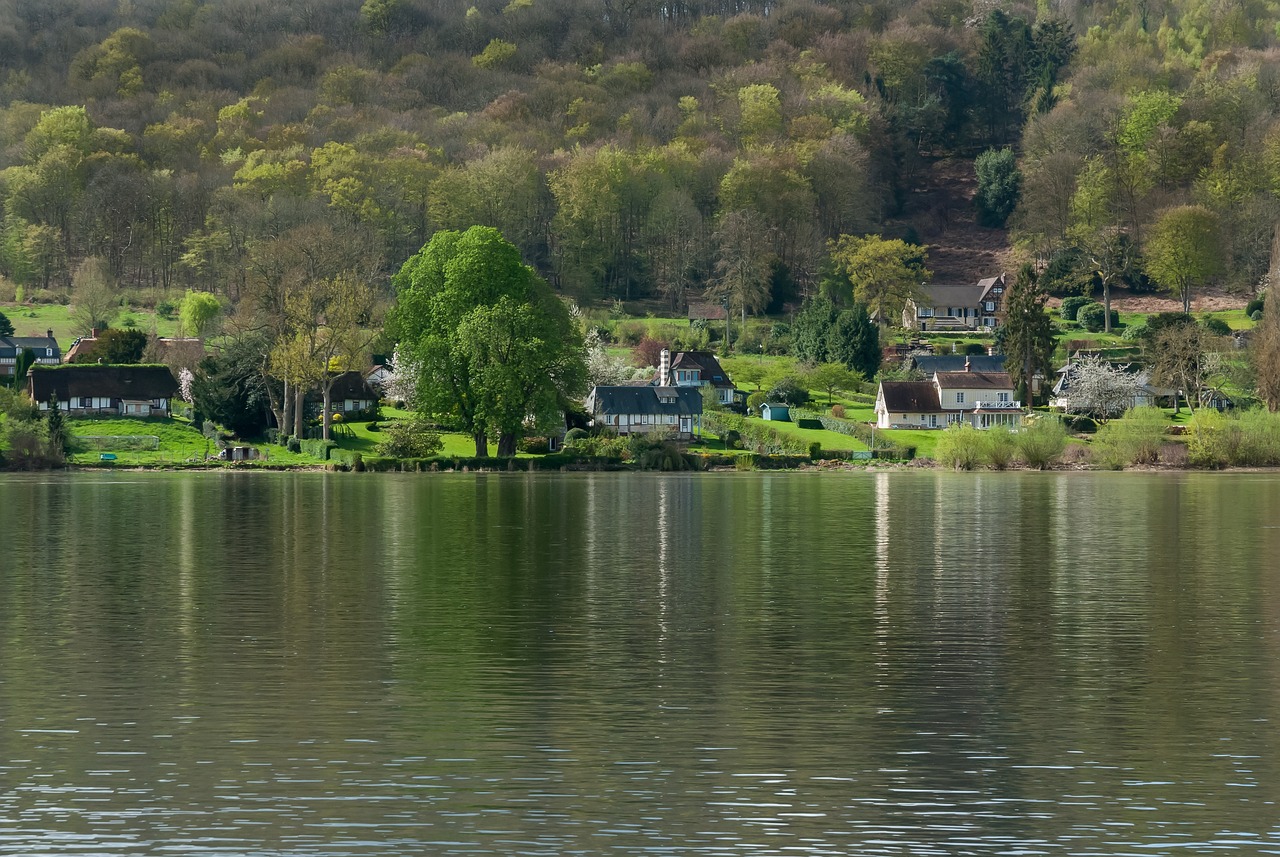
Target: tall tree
{"points": [[1266, 354], [999, 186], [6, 326], [1184, 249], [466, 304], [744, 265], [885, 273], [1027, 332]]}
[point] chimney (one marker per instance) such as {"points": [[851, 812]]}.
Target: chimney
{"points": [[967, 368], [49, 333], [664, 368], [93, 333], [991, 351]]}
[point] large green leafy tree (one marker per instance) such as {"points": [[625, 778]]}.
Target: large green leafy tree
{"points": [[493, 345], [230, 389], [1027, 333], [1184, 250], [884, 273]]}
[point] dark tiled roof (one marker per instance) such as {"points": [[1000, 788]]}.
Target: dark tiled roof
{"points": [[116, 382], [928, 364], [907, 397], [352, 385], [708, 311], [677, 401], [704, 361], [975, 380], [951, 296], [12, 346]]}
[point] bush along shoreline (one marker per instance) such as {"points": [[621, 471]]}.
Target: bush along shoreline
{"points": [[1141, 439]]}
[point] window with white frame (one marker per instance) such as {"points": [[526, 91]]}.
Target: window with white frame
{"points": [[1002, 397], [959, 398], [991, 306]]}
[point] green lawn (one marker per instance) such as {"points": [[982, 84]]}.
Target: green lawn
{"points": [[828, 439], [356, 437], [179, 443], [36, 319]]}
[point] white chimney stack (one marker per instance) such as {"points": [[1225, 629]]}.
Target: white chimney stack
{"points": [[664, 368]]}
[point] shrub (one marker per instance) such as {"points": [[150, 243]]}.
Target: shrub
{"points": [[1213, 440], [1071, 306], [815, 450], [1256, 315], [1081, 424], [166, 309], [1134, 331], [317, 448], [755, 400], [1216, 326], [1041, 441], [999, 447], [409, 438], [837, 411], [1254, 305], [1136, 438], [575, 434], [961, 446], [973, 348], [1259, 444], [293, 445], [789, 391], [534, 445], [1093, 317], [648, 351]]}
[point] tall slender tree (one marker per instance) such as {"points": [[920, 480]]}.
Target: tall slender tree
{"points": [[1027, 333]]}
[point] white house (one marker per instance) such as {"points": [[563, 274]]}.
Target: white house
{"points": [[694, 369], [943, 307], [628, 409], [981, 399]]}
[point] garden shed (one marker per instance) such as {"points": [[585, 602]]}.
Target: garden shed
{"points": [[775, 411]]}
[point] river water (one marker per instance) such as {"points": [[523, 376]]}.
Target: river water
{"points": [[782, 664]]}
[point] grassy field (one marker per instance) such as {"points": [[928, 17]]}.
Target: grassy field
{"points": [[829, 439], [36, 319], [178, 443]]}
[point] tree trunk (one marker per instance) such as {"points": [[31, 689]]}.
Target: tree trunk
{"points": [[1106, 304], [482, 445], [507, 445], [324, 416], [284, 418], [297, 413]]}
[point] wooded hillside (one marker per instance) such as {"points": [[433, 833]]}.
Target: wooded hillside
{"points": [[629, 149]]}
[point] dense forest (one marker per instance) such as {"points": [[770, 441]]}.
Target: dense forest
{"points": [[628, 149]]}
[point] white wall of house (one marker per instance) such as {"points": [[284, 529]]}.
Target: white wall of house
{"points": [[963, 398]]}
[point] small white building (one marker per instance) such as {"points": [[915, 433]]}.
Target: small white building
{"points": [[981, 399]]}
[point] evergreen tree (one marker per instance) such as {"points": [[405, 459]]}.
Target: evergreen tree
{"points": [[6, 326], [56, 429], [999, 186], [854, 340], [1027, 332]]}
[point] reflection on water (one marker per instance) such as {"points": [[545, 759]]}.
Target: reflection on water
{"points": [[896, 664]]}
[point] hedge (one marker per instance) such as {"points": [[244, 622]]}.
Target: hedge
{"points": [[863, 432], [317, 448]]}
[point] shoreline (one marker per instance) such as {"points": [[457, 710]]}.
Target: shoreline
{"points": [[819, 466]]}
